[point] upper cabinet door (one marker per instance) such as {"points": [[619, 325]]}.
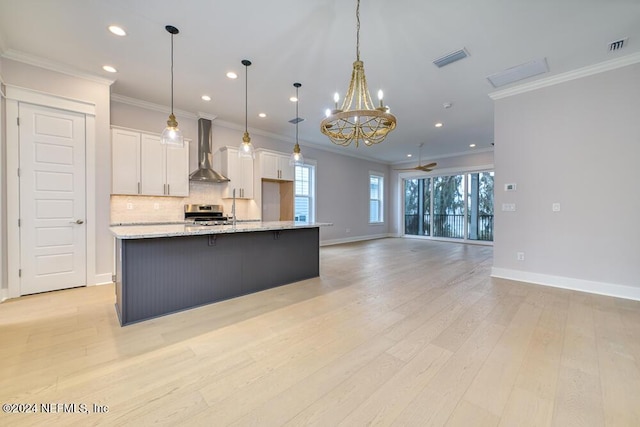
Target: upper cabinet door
{"points": [[275, 166], [153, 168], [177, 170], [240, 173], [125, 162]]}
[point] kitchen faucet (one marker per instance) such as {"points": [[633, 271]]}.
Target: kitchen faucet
{"points": [[233, 207]]}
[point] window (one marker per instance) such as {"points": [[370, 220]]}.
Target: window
{"points": [[376, 201], [304, 209]]}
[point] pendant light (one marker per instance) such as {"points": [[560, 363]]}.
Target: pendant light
{"points": [[246, 148], [296, 158], [171, 135]]}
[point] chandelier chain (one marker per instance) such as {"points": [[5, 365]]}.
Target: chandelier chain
{"points": [[358, 31]]}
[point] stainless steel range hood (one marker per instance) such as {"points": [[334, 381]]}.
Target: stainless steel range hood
{"points": [[205, 172]]}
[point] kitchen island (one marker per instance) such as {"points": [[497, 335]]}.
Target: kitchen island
{"points": [[165, 268]]}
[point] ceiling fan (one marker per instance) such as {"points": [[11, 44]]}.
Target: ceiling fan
{"points": [[424, 168]]}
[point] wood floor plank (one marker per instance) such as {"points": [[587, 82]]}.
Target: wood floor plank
{"points": [[394, 332], [490, 389], [436, 402], [390, 399]]}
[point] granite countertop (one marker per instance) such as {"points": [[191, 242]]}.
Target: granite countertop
{"points": [[147, 231]]}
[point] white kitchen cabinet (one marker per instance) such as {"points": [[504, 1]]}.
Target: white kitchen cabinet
{"points": [[125, 162], [239, 171], [142, 165], [275, 166]]}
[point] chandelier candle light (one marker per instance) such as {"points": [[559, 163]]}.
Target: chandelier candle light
{"points": [[296, 158], [358, 121], [171, 135], [246, 148]]}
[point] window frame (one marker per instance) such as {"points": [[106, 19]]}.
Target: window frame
{"points": [[381, 187], [312, 167]]}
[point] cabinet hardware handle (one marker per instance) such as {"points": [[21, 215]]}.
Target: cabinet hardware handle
{"points": [[139, 191], [169, 189], [77, 221]]}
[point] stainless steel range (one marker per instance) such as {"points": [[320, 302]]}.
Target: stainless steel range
{"points": [[205, 215]]}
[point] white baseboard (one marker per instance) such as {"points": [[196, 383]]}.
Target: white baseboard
{"points": [[354, 239], [102, 279], [4, 294], [599, 288]]}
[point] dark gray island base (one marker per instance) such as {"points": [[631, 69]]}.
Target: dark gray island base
{"points": [[162, 275]]}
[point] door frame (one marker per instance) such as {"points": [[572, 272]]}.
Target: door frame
{"points": [[14, 96]]}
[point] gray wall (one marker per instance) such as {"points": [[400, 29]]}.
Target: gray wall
{"points": [[578, 144]]}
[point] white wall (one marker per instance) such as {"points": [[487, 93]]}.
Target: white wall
{"points": [[39, 79], [578, 144]]}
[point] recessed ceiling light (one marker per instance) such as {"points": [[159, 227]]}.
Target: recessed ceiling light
{"points": [[109, 69], [472, 145], [293, 99], [409, 155], [118, 31], [447, 105], [262, 115], [438, 125], [232, 75], [206, 98]]}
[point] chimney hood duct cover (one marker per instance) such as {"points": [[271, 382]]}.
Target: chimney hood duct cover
{"points": [[205, 172]]}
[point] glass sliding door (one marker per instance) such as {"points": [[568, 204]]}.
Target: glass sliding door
{"points": [[448, 206], [455, 206], [480, 206], [417, 207]]}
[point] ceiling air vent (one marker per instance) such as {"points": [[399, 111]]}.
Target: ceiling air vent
{"points": [[519, 72], [296, 120], [451, 57], [618, 44]]}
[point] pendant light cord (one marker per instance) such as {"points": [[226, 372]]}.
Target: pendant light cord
{"points": [[246, 96], [172, 73], [297, 115]]}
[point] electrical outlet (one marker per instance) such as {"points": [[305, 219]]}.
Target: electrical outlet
{"points": [[555, 207], [508, 207], [156, 206], [129, 206], [520, 256]]}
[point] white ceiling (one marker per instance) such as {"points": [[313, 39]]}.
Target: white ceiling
{"points": [[313, 42]]}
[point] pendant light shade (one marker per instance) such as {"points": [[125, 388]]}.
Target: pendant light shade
{"points": [[246, 148], [296, 158], [171, 135]]}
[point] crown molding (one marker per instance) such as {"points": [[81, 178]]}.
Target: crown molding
{"points": [[471, 152], [157, 107], [281, 138], [58, 67], [589, 70]]}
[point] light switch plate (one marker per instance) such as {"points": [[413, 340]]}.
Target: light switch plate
{"points": [[555, 207], [510, 187], [508, 207]]}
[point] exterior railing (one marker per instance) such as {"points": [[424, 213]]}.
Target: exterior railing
{"points": [[448, 225]]}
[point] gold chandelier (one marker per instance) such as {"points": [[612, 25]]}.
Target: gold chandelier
{"points": [[358, 120]]}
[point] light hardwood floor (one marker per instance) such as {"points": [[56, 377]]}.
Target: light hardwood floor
{"points": [[394, 332]]}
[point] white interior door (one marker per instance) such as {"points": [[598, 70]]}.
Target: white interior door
{"points": [[52, 199]]}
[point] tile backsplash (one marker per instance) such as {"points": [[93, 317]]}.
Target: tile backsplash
{"points": [[150, 209]]}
